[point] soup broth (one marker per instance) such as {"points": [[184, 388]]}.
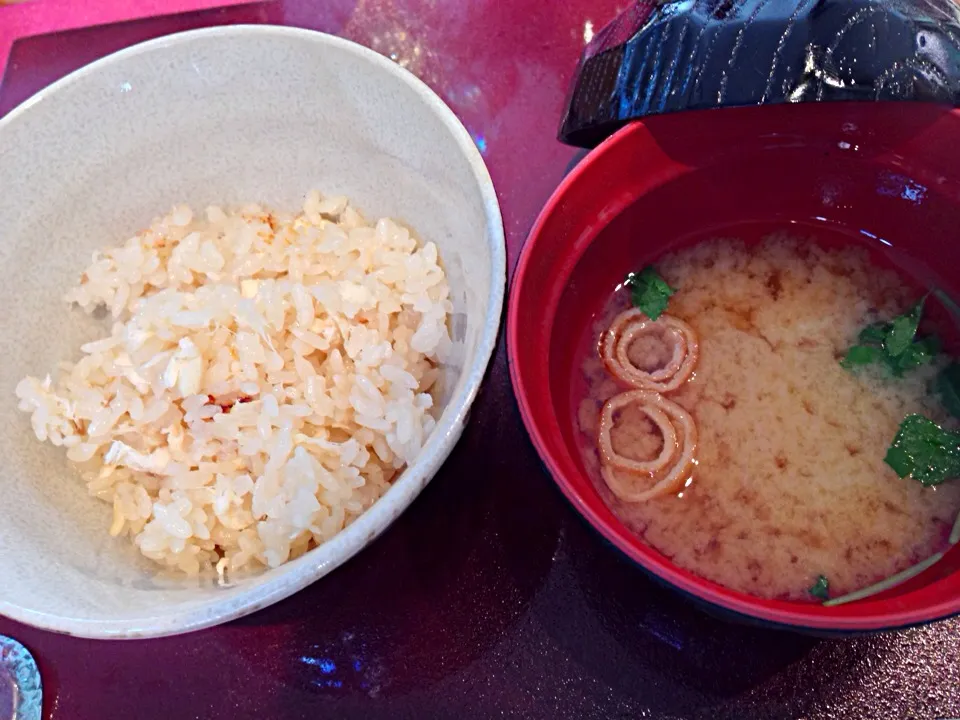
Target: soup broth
{"points": [[788, 481]]}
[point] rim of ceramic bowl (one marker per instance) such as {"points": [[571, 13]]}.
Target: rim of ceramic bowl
{"points": [[663, 569], [281, 582]]}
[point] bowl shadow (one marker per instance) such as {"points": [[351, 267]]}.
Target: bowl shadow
{"points": [[651, 643]]}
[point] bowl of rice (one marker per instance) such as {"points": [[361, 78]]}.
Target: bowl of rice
{"points": [[253, 277]]}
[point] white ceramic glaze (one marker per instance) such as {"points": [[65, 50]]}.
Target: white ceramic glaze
{"points": [[224, 115]]}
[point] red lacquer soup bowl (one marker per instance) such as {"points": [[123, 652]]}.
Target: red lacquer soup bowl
{"points": [[884, 175]]}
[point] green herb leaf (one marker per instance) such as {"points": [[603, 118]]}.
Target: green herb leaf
{"points": [[875, 334], [900, 460], [948, 388], [916, 354], [902, 329], [892, 344], [862, 355], [821, 588], [924, 451], [649, 292]]}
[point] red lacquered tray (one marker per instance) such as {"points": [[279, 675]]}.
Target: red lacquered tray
{"points": [[489, 597]]}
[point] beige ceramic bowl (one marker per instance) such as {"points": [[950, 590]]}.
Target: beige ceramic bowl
{"points": [[226, 115]]}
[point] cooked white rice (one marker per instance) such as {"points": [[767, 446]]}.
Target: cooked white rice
{"points": [[266, 378]]}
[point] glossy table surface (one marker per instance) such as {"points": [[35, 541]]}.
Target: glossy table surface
{"points": [[489, 597]]}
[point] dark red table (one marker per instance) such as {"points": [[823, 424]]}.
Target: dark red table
{"points": [[489, 597]]}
